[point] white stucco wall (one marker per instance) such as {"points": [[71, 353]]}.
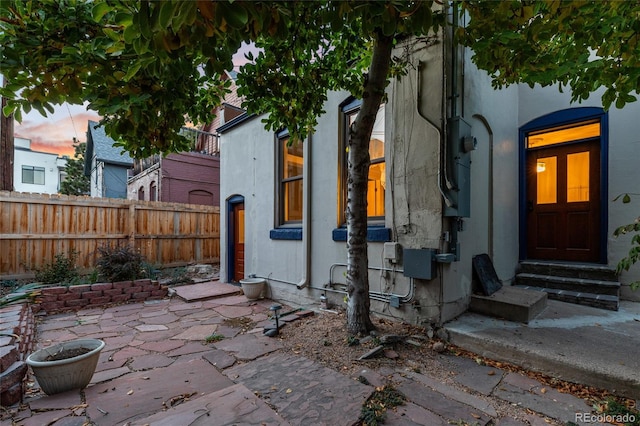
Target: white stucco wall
{"points": [[97, 171], [23, 156], [414, 205]]}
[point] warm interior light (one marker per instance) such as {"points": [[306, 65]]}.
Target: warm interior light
{"points": [[541, 167]]}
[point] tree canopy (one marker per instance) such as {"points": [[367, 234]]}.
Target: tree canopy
{"points": [[583, 45], [146, 67], [76, 183]]}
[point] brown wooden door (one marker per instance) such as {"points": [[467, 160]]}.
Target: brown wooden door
{"points": [[238, 242], [563, 202]]}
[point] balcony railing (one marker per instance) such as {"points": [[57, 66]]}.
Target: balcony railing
{"points": [[200, 141]]}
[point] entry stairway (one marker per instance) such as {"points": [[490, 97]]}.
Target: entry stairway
{"points": [[583, 284]]}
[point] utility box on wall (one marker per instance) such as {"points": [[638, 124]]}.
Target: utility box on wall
{"points": [[458, 163], [419, 263]]}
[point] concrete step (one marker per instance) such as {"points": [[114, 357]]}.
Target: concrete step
{"points": [[510, 303], [602, 301], [205, 291], [580, 285], [565, 269]]}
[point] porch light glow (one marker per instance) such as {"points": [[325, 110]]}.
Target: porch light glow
{"points": [[541, 167]]}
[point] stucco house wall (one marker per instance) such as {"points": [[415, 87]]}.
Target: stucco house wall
{"points": [[415, 206], [52, 164]]}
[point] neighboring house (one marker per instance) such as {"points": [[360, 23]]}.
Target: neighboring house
{"points": [[105, 164], [34, 171], [229, 109], [188, 177], [519, 174]]}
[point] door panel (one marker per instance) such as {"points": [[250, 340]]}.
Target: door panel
{"points": [[238, 242], [563, 200]]}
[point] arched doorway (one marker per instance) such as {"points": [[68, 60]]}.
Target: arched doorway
{"points": [[235, 238], [563, 189]]}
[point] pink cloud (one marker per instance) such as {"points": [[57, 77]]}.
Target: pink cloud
{"points": [[48, 134]]}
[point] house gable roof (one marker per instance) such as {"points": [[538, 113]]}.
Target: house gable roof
{"points": [[100, 146]]}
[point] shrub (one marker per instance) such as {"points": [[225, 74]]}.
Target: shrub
{"points": [[120, 263], [62, 270], [634, 252]]}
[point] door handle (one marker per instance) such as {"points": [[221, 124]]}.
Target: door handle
{"points": [[530, 205]]}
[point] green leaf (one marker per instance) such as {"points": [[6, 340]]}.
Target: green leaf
{"points": [[626, 198], [130, 34], [166, 13], [235, 14], [8, 110], [133, 70], [99, 10]]}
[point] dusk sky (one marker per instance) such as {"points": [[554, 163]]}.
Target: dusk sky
{"points": [[55, 132]]}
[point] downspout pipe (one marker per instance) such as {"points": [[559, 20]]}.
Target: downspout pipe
{"points": [[306, 216], [441, 176]]}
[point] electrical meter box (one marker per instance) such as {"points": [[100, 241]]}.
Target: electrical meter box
{"points": [[419, 263]]}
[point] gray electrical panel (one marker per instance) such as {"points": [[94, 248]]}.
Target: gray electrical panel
{"points": [[458, 168], [419, 263]]}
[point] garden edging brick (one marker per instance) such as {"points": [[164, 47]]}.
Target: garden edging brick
{"points": [[17, 322]]}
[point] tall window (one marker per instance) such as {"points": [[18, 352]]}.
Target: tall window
{"points": [[153, 191], [377, 169], [31, 174], [291, 163]]}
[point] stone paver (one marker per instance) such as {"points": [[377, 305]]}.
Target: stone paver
{"points": [[224, 407], [219, 359], [411, 414], [141, 394], [527, 392], [197, 332], [437, 403], [151, 327], [156, 353], [147, 362], [234, 311], [249, 346], [303, 392], [480, 378], [455, 394]]}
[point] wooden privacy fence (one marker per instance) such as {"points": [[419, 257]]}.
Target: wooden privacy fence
{"points": [[36, 227]]}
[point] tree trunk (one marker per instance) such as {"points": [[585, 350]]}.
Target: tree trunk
{"points": [[6, 149], [358, 306]]}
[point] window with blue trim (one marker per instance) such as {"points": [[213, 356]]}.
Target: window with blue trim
{"points": [[289, 192], [377, 169], [290, 189], [377, 174]]}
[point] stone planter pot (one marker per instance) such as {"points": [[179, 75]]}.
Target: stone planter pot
{"points": [[253, 287], [74, 372]]}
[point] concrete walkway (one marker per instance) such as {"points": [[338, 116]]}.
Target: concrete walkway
{"points": [[575, 343], [158, 369]]}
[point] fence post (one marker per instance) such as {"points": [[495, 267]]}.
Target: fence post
{"points": [[132, 225]]}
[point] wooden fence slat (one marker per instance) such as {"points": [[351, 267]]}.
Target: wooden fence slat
{"points": [[35, 227]]}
